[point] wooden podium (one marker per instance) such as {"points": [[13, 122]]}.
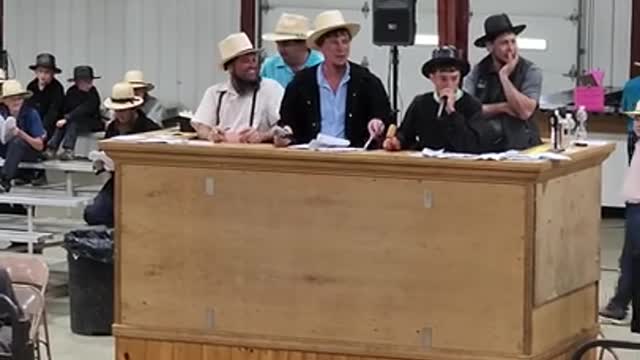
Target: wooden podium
{"points": [[255, 253]]}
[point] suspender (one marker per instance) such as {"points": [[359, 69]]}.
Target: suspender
{"points": [[253, 107]]}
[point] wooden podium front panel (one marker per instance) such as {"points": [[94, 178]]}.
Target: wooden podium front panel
{"points": [[356, 262]]}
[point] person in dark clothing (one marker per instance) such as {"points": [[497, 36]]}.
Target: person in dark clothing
{"points": [[6, 289], [337, 98], [507, 84], [81, 114], [129, 119], [22, 140], [48, 93], [446, 118], [47, 99]]}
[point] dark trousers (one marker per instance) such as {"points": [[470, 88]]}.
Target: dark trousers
{"points": [[14, 152], [66, 136], [630, 249], [101, 211]]}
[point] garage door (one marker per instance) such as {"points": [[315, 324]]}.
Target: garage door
{"points": [[548, 23]]}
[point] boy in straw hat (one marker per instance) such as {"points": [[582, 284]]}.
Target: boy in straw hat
{"points": [[21, 135], [152, 106], [337, 98], [243, 109], [128, 119], [81, 114], [290, 37], [618, 305]]}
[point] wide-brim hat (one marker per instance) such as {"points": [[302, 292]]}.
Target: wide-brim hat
{"points": [[234, 46], [496, 25], [635, 112], [47, 61], [136, 79], [328, 21], [83, 72], [290, 27], [123, 97], [637, 63], [11, 88], [445, 56]]}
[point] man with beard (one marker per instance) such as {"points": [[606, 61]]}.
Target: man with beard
{"points": [[506, 84], [244, 109]]}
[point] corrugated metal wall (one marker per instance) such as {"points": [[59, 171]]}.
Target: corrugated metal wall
{"points": [[173, 41]]}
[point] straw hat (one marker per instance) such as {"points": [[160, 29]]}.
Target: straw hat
{"points": [[635, 112], [3, 76], [136, 79], [289, 27], [233, 46], [637, 63], [328, 21], [12, 88], [122, 97]]}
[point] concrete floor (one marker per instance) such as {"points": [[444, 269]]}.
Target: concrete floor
{"points": [[67, 346]]}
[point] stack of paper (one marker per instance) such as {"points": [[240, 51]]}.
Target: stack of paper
{"points": [[327, 143], [511, 155]]}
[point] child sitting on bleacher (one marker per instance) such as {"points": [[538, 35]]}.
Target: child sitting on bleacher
{"points": [[21, 134], [81, 114]]}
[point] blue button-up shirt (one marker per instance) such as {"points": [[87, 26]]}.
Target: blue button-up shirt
{"points": [[275, 68], [333, 105]]}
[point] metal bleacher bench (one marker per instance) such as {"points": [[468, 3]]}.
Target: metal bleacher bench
{"points": [[32, 197]]}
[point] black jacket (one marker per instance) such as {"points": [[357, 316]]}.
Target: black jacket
{"points": [[366, 99], [83, 108], [143, 124], [461, 131], [48, 102]]}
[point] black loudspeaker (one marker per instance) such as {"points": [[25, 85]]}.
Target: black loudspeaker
{"points": [[394, 22]]}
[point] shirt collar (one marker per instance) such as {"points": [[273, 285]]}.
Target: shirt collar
{"points": [[322, 80]]}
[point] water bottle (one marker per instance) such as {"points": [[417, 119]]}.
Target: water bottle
{"points": [[582, 116]]}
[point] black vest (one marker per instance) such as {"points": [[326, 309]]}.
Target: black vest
{"points": [[517, 134]]}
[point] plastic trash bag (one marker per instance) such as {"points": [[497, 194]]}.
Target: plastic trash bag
{"points": [[95, 243]]}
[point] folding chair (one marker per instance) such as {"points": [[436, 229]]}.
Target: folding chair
{"points": [[30, 276], [21, 346]]}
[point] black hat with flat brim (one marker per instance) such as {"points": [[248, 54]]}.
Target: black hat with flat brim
{"points": [[83, 72], [445, 57], [46, 61], [496, 25]]}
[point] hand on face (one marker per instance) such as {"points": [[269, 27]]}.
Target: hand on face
{"points": [[510, 65]]}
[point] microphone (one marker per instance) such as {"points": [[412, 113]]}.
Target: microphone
{"points": [[443, 103]]}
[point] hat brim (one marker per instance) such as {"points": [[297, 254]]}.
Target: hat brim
{"points": [[55, 69], [225, 62], [637, 63], [482, 41], [429, 67], [312, 41], [142, 85], [84, 78], [284, 37], [111, 105], [23, 94]]}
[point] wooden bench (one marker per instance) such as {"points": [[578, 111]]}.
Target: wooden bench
{"points": [[30, 200]]}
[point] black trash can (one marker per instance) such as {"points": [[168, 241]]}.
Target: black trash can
{"points": [[90, 258]]}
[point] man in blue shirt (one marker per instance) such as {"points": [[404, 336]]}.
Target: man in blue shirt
{"points": [[338, 97], [290, 37], [22, 134], [630, 97]]}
